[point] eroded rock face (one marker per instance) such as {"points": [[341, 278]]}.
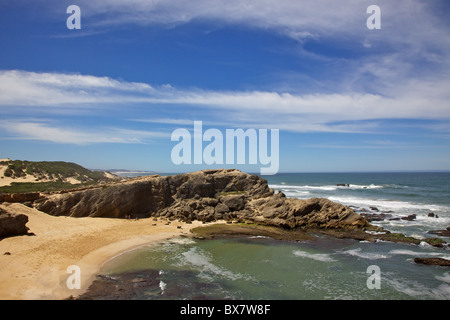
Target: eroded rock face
{"points": [[12, 224], [206, 196]]}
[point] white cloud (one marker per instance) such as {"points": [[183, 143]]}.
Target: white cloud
{"points": [[426, 99], [402, 20], [43, 131], [55, 89]]}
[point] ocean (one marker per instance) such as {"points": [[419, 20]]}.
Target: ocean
{"points": [[251, 268]]}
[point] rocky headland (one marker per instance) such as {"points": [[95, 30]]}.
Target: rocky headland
{"points": [[212, 195]]}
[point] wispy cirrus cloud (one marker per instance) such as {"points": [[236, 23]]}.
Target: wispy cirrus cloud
{"points": [[320, 112], [23, 88], [403, 20], [46, 131]]}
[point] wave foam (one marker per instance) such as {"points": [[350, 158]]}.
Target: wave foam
{"points": [[419, 253], [325, 187], [315, 256], [415, 289], [384, 204], [202, 261], [365, 255], [180, 240], [162, 286]]}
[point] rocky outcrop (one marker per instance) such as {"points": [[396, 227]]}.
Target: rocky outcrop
{"points": [[12, 224], [20, 197], [433, 261], [206, 195]]}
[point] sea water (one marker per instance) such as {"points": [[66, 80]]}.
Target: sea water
{"points": [[327, 268], [397, 194]]}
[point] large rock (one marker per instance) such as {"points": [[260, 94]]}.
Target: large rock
{"points": [[204, 195], [12, 224], [442, 233], [433, 261], [234, 202]]}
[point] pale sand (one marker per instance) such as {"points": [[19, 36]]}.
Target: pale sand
{"points": [[37, 265]]}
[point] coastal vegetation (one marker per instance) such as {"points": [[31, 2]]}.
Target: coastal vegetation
{"points": [[42, 176]]}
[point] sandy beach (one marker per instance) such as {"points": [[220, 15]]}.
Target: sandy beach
{"points": [[34, 267]]}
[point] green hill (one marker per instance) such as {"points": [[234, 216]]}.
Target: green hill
{"points": [[30, 176]]}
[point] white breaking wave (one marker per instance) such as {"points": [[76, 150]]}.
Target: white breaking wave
{"points": [[365, 255], [415, 289], [444, 278], [162, 286], [419, 253], [181, 240], [384, 204], [315, 256], [325, 187], [202, 261]]}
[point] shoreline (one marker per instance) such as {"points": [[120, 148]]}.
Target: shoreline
{"points": [[34, 266]]}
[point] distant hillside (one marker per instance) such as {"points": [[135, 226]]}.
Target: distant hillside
{"points": [[28, 176], [131, 173]]}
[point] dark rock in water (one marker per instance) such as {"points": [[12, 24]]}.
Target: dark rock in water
{"points": [[411, 217], [443, 233], [374, 209], [376, 216], [433, 261], [432, 215], [121, 287], [384, 216], [343, 185], [12, 224], [151, 285]]}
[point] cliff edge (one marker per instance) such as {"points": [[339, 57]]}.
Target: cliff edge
{"points": [[206, 195]]}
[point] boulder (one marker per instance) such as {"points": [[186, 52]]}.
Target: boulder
{"points": [[234, 202], [411, 217], [12, 224], [221, 208]]}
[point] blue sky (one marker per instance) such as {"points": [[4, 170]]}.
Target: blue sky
{"points": [[345, 98]]}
